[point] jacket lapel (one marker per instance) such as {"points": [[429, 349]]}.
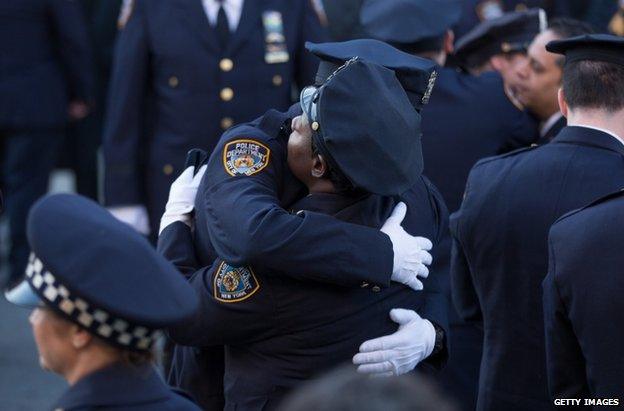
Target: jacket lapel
{"points": [[250, 19], [193, 14]]}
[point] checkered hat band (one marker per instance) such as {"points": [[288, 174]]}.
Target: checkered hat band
{"points": [[98, 321]]}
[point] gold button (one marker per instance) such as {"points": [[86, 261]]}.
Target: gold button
{"points": [[173, 82], [376, 289], [315, 126], [227, 94], [277, 80], [226, 64], [168, 169], [226, 122]]}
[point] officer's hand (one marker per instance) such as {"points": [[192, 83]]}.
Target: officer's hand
{"points": [[182, 198], [400, 352], [410, 253], [135, 216]]}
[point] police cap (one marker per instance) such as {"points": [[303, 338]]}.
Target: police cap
{"points": [[417, 75], [510, 33], [412, 25], [366, 128], [98, 273], [599, 47]]}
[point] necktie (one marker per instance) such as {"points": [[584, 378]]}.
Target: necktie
{"points": [[223, 27]]}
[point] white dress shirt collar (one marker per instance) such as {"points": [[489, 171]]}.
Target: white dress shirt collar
{"points": [[548, 124], [233, 10]]}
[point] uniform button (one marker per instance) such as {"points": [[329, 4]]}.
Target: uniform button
{"points": [[168, 169], [226, 122], [277, 80], [376, 289], [364, 284], [173, 82], [226, 64], [227, 94]]}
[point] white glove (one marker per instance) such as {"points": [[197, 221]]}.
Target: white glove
{"points": [[135, 216], [410, 253], [400, 352], [182, 198]]}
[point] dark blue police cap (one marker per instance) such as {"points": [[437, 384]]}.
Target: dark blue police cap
{"points": [[366, 128], [512, 32], [599, 47], [100, 274], [417, 75], [409, 24]]}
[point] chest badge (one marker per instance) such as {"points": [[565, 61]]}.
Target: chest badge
{"points": [[274, 38], [234, 284], [245, 157]]}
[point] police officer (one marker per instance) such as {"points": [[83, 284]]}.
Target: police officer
{"points": [[540, 76], [239, 213], [581, 300], [500, 253], [184, 72], [265, 360], [99, 294], [501, 44], [45, 80], [458, 128]]}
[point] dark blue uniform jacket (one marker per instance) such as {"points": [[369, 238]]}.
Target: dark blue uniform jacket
{"points": [[500, 253], [45, 60], [583, 302], [174, 89], [281, 331], [123, 388]]}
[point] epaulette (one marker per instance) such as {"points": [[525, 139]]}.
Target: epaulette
{"points": [[505, 155], [603, 199]]}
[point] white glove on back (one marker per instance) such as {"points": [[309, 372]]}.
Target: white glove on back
{"points": [[410, 253], [400, 352], [182, 198], [135, 216]]}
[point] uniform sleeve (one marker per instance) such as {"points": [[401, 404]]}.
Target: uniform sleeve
{"points": [[123, 128], [248, 226], [236, 307], [175, 243], [564, 358], [310, 30], [70, 26]]}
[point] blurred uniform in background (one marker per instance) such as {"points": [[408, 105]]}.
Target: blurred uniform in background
{"points": [[458, 129], [202, 66], [84, 137], [45, 80]]}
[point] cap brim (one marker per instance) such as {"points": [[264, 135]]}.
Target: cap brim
{"points": [[306, 101], [23, 296]]}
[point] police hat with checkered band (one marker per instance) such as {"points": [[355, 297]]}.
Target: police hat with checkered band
{"points": [[100, 274], [365, 127], [417, 75]]}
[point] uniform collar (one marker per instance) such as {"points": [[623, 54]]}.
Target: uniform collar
{"points": [[589, 137], [113, 386], [550, 123]]}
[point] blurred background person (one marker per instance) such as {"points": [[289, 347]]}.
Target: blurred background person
{"points": [[46, 80], [345, 390], [84, 137], [458, 128], [500, 45], [183, 73], [540, 76]]}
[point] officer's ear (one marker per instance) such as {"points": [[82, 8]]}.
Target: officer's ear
{"points": [[449, 42], [563, 105], [319, 166], [80, 338]]}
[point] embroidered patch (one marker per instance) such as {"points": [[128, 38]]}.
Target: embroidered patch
{"points": [[233, 284], [245, 157]]}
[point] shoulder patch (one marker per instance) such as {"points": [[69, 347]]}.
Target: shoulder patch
{"points": [[233, 284], [245, 157]]}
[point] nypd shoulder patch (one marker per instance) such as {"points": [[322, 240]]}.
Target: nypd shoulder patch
{"points": [[245, 157], [233, 284]]}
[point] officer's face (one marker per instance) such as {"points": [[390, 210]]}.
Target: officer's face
{"points": [[508, 65], [52, 335], [541, 78], [300, 156]]}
